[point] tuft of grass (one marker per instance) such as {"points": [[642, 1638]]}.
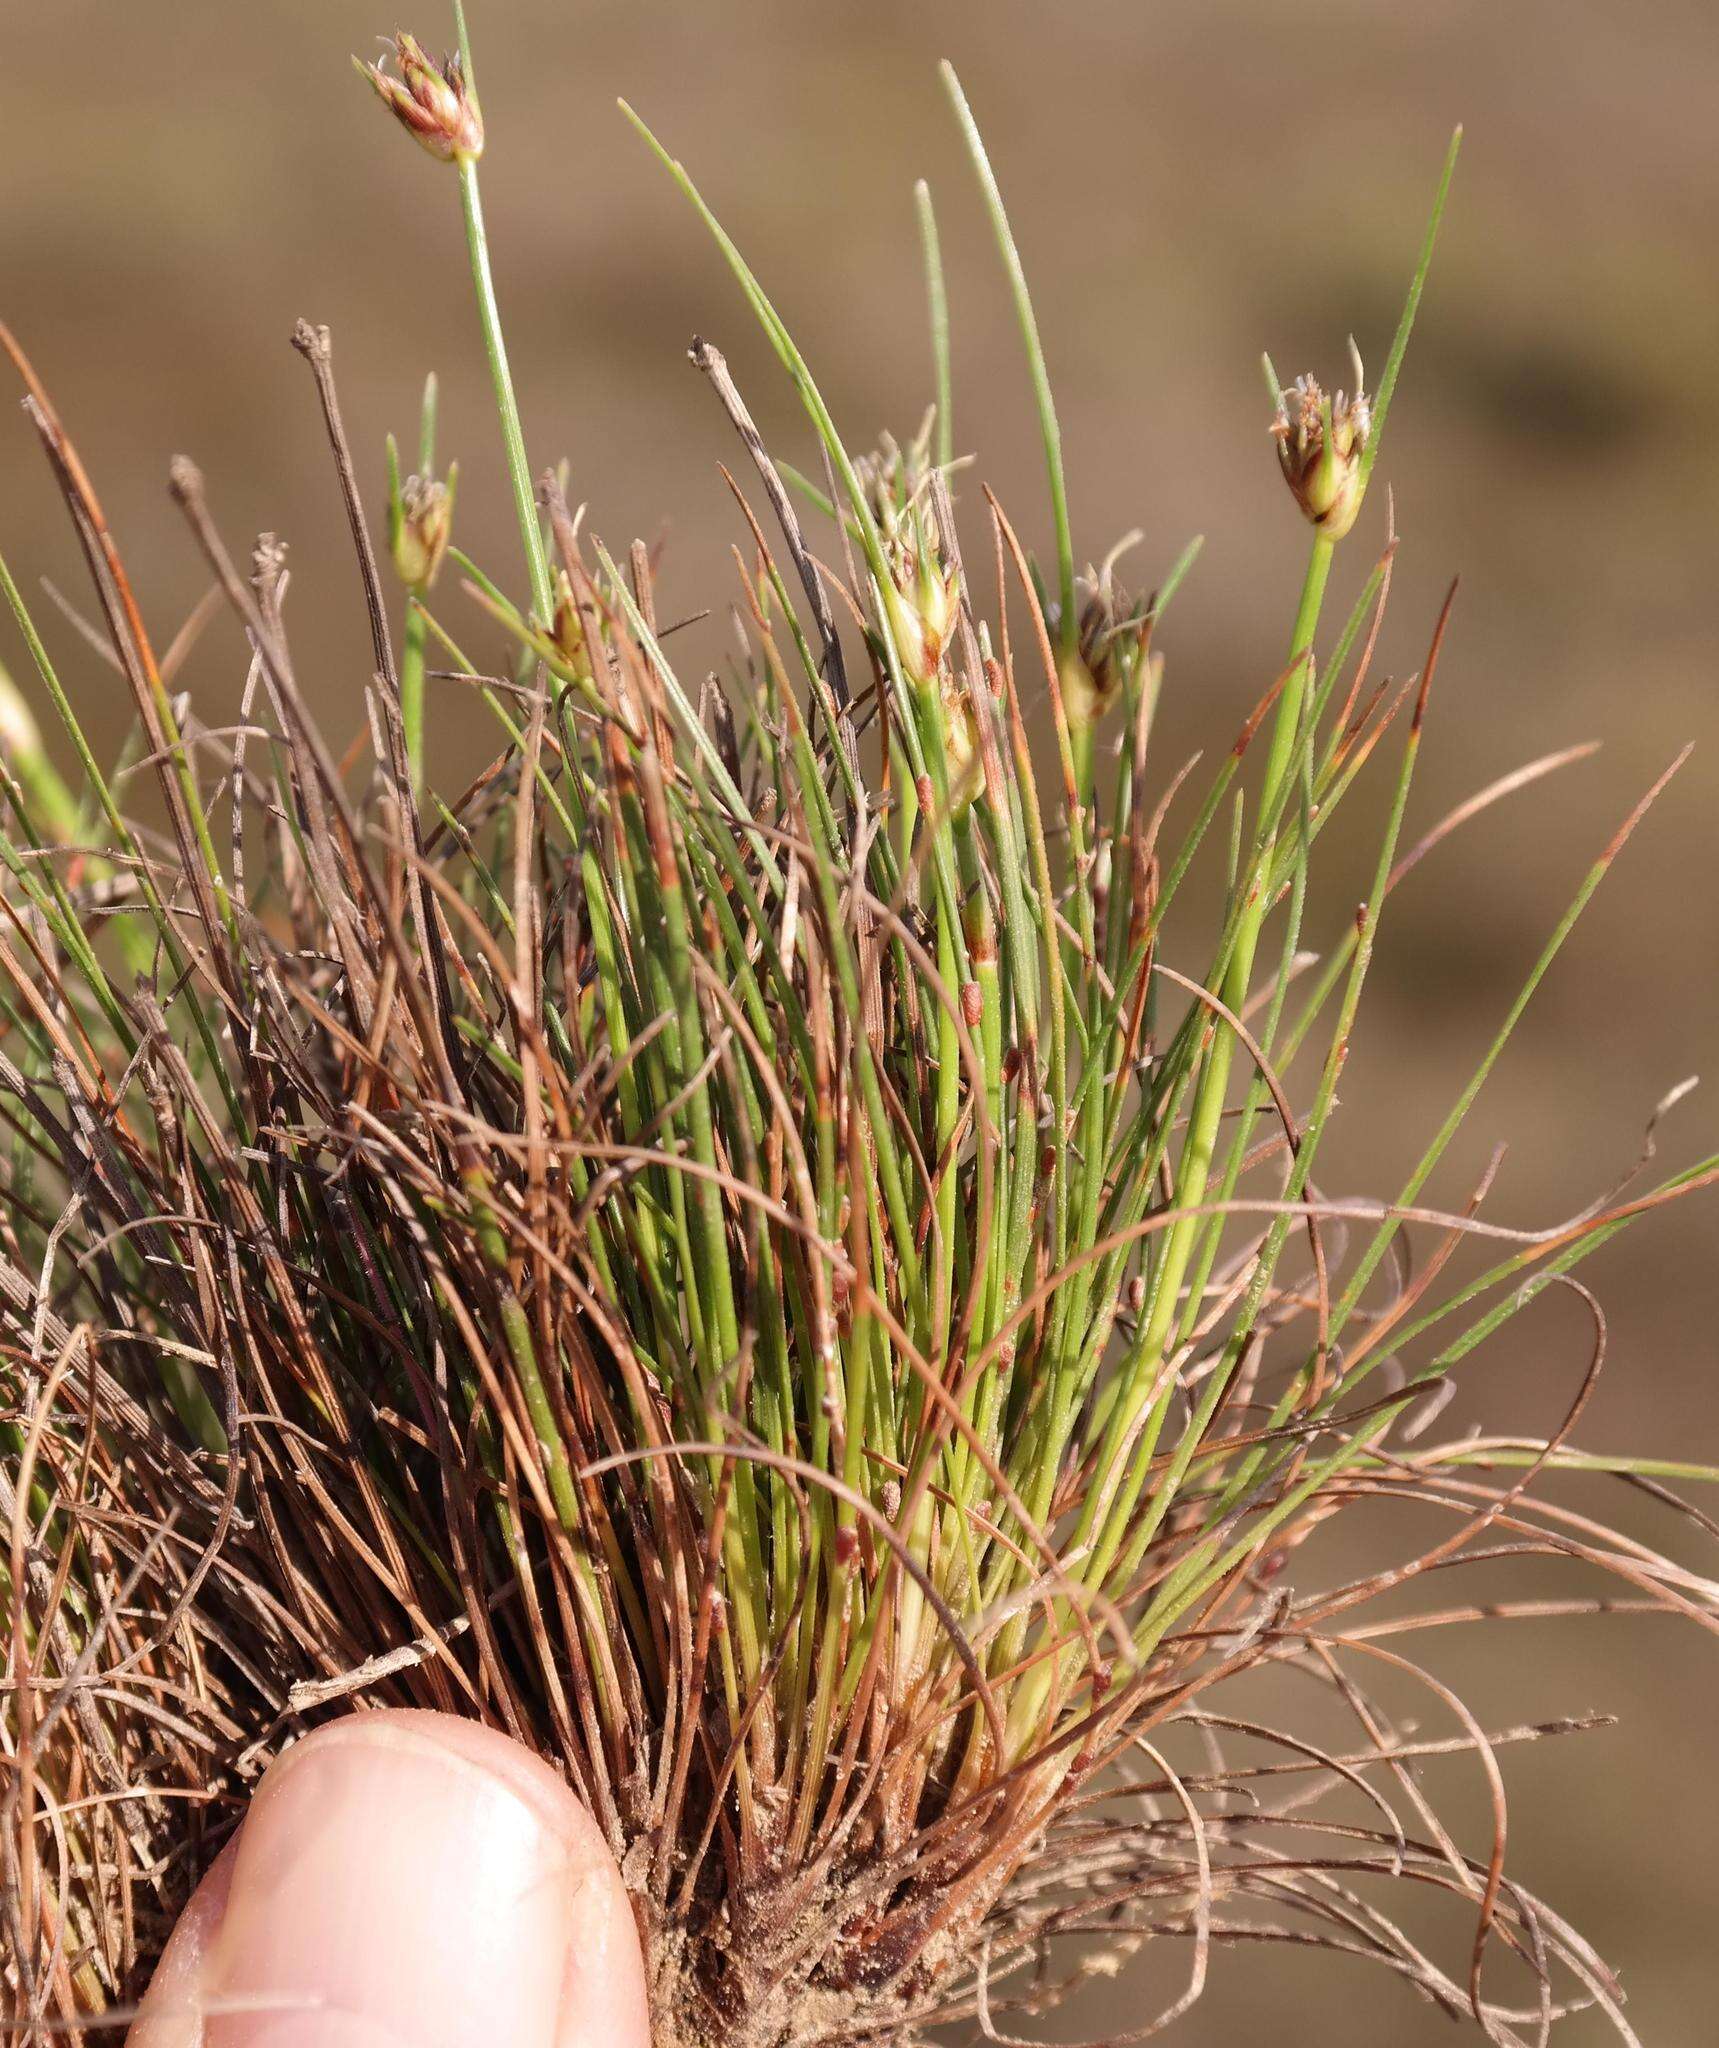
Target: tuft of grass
{"points": [[732, 1249]]}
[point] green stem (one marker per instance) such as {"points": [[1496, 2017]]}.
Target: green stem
{"points": [[937, 305], [1049, 431], [1214, 1080], [412, 688], [1200, 1146], [506, 405]]}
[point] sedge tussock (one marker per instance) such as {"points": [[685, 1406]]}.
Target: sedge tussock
{"points": [[730, 1249]]}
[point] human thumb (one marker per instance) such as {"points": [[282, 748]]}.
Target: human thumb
{"points": [[405, 1880]]}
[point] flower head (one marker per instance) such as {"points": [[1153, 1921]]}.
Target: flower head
{"points": [[1112, 630], [567, 629], [922, 597], [432, 101], [1320, 443], [420, 523]]}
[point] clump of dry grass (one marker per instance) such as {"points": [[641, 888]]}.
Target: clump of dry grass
{"points": [[729, 1250]]}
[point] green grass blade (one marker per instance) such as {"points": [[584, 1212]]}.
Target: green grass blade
{"points": [[1050, 432]]}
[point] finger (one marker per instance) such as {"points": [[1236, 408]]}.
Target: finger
{"points": [[405, 1880]]}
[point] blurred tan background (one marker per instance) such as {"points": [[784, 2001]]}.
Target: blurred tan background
{"points": [[1191, 181]]}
